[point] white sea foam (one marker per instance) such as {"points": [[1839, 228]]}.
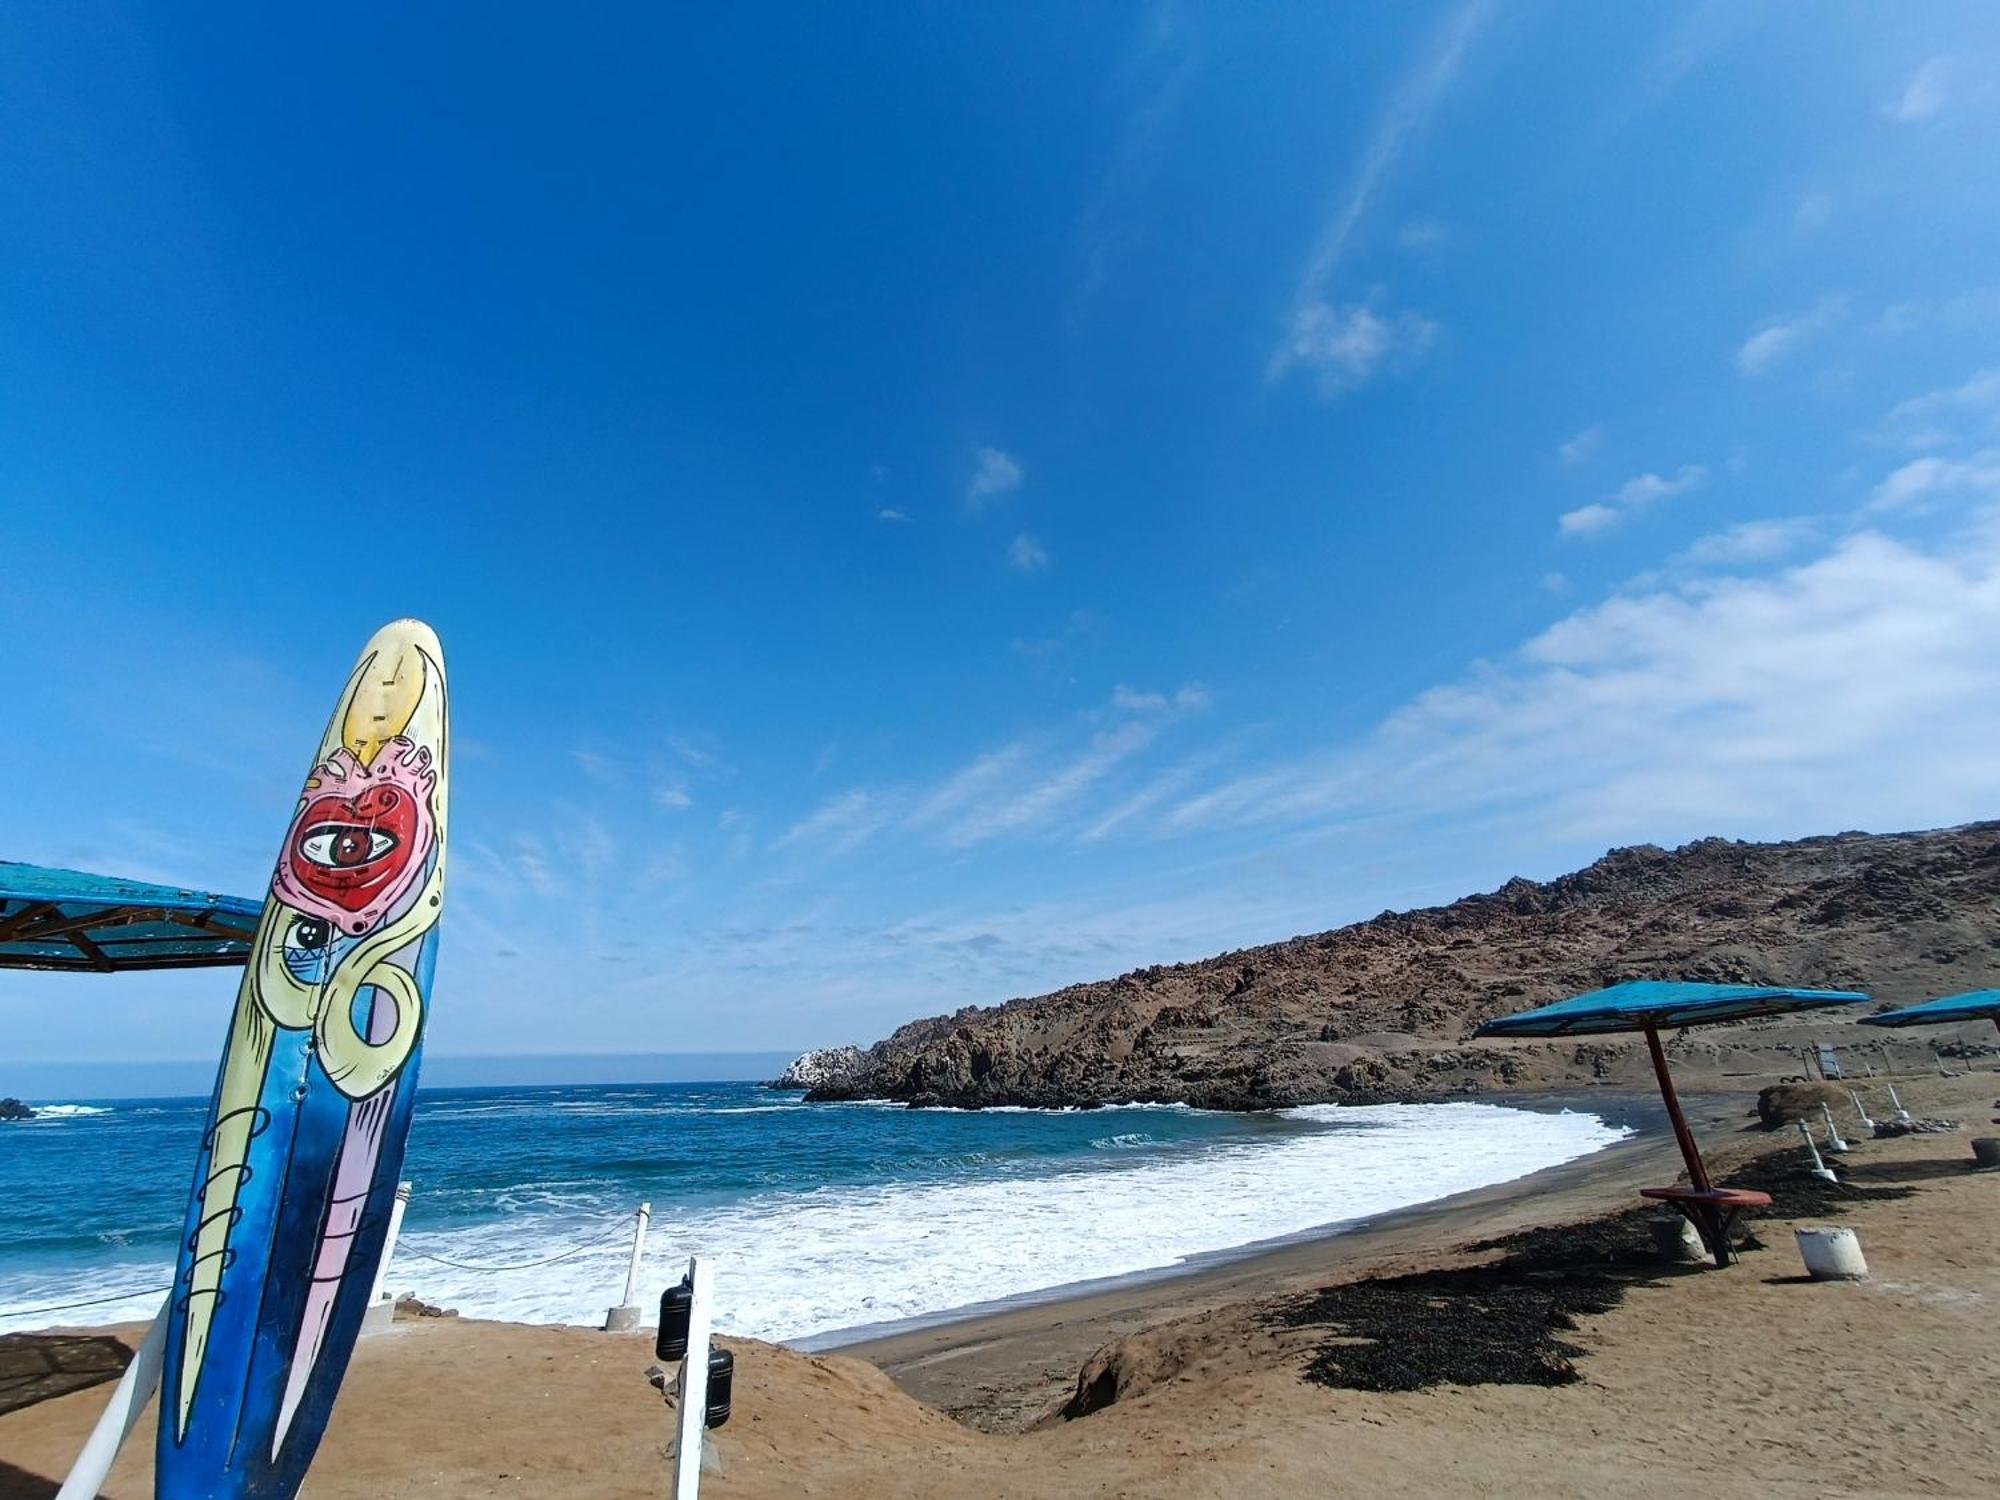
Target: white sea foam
{"points": [[68, 1111], [123, 1295], [792, 1264]]}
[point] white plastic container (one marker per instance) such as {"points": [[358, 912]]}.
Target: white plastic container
{"points": [[1831, 1254]]}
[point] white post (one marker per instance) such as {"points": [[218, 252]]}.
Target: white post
{"points": [[121, 1413], [627, 1314], [1819, 1168], [644, 1217], [1861, 1110], [396, 1208], [1901, 1113], [1833, 1141], [691, 1409], [381, 1314]]}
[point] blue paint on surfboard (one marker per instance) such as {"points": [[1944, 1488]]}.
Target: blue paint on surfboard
{"points": [[305, 1134]]}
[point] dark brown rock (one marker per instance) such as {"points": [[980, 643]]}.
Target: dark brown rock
{"points": [[1385, 1009], [1788, 1103]]}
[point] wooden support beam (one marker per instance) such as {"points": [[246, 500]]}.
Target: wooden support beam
{"points": [[27, 916], [99, 959]]}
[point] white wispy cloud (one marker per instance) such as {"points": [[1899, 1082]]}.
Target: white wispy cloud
{"points": [[994, 474], [1423, 236], [1149, 87], [1695, 33], [1031, 807], [698, 752], [1146, 799], [665, 866], [1949, 415], [1049, 786], [1956, 311], [1751, 542], [839, 824], [1188, 698], [584, 840], [1926, 94], [890, 513], [1411, 104], [673, 796], [1581, 447], [1856, 689], [1778, 338], [1587, 520], [1350, 344], [606, 770], [1643, 490], [527, 857], [1924, 481], [988, 772], [1027, 555], [1813, 211], [1634, 495]]}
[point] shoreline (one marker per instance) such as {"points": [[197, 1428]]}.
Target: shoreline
{"points": [[1003, 1365], [1618, 1107]]}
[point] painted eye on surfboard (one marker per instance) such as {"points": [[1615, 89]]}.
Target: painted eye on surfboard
{"points": [[344, 847], [308, 935]]}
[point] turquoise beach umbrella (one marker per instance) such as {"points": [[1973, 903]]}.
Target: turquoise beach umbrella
{"points": [[1647, 1005], [69, 920], [1973, 1005]]}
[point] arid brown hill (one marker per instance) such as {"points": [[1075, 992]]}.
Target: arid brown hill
{"points": [[1382, 1010]]}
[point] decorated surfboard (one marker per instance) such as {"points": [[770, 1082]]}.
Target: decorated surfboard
{"points": [[304, 1139]]}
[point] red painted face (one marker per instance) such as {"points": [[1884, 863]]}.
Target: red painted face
{"points": [[348, 850]]}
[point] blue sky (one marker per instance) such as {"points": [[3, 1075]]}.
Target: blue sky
{"points": [[926, 504]]}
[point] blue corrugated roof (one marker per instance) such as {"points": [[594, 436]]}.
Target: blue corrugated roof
{"points": [[1973, 1005], [67, 919], [1655, 1002]]}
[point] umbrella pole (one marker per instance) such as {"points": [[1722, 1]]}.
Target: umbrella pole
{"points": [[1697, 1173]]}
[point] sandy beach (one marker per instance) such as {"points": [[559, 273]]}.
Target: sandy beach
{"points": [[1740, 1382]]}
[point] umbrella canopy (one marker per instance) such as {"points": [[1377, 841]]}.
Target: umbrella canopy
{"points": [[1974, 1005], [65, 919], [1649, 1004]]}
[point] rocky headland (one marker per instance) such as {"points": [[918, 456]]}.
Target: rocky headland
{"points": [[1383, 1010], [823, 1067]]}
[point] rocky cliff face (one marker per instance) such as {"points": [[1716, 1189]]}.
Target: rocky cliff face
{"points": [[1382, 1010]]}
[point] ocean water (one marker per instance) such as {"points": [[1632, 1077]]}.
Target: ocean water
{"points": [[820, 1217]]}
